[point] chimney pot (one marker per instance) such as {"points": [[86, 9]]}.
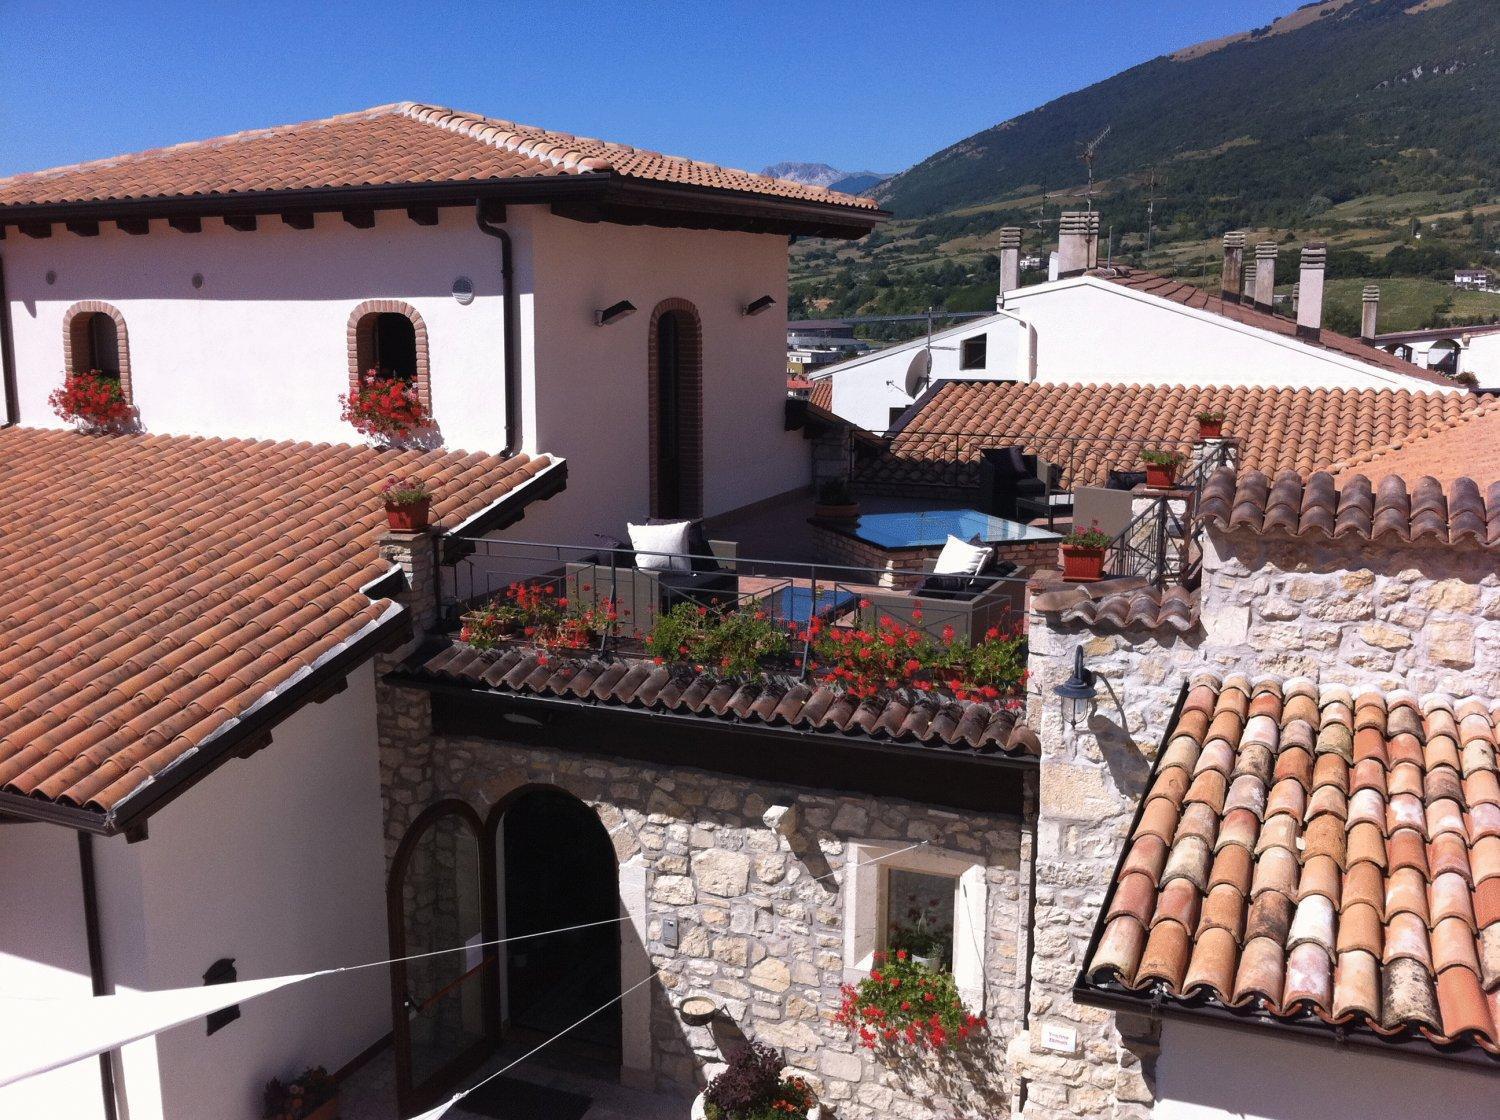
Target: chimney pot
{"points": [[1010, 259], [1265, 275], [1077, 242], [1369, 312], [1234, 264], [1310, 289]]}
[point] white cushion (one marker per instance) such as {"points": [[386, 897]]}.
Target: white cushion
{"points": [[960, 558], [661, 548]]}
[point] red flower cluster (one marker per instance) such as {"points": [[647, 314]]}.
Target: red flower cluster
{"points": [[90, 399], [903, 1002], [386, 408], [537, 613]]}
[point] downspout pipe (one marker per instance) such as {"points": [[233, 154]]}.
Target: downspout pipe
{"points": [[96, 961], [512, 371], [7, 358]]}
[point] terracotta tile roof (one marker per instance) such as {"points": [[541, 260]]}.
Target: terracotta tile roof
{"points": [[822, 393], [1468, 446], [1327, 858], [1278, 428], [159, 588], [924, 721], [1460, 514], [405, 143], [1118, 604], [1180, 291]]}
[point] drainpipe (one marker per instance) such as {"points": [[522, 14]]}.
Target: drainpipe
{"points": [[96, 961], [512, 367], [7, 357]]}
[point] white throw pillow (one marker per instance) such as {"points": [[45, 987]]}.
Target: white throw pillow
{"points": [[661, 548], [960, 558]]}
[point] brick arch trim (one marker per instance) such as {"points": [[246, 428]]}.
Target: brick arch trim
{"points": [[70, 326], [361, 329], [690, 413]]}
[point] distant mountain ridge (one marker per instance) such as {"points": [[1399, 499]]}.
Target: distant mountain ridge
{"points": [[822, 175], [1335, 100]]}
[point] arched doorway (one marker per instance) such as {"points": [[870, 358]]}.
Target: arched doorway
{"points": [[442, 1007], [555, 867], [676, 401]]}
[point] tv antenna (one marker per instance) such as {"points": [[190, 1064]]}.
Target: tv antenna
{"points": [[1151, 210], [1089, 155]]}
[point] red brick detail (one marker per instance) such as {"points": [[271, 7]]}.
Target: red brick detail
{"points": [[690, 415], [361, 338], [75, 324]]}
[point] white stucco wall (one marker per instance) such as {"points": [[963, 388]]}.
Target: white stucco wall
{"points": [[1092, 331], [1272, 1078], [261, 349], [277, 861]]}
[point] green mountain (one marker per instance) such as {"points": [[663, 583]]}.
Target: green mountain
{"points": [[1338, 100]]}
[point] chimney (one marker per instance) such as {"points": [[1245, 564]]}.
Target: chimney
{"points": [[1247, 289], [1370, 312], [1077, 242], [1265, 275], [1010, 259], [1234, 264], [1310, 290]]}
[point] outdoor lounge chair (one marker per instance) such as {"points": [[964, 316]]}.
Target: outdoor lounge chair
{"points": [[1015, 485], [648, 592], [969, 604]]}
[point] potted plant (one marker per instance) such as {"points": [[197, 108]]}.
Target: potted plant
{"points": [[1083, 554], [752, 1088], [311, 1095], [91, 400], [904, 1004], [835, 501], [386, 409], [1161, 468], [1210, 425], [407, 503]]}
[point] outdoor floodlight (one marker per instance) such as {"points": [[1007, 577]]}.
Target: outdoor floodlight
{"points": [[613, 313]]}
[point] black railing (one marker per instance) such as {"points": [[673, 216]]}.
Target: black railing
{"points": [[1163, 542]]}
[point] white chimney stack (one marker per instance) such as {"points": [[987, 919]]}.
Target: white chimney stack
{"points": [[1077, 242], [1010, 259], [1265, 275], [1310, 290], [1234, 265], [1369, 312]]}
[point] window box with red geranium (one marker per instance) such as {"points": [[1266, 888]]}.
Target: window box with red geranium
{"points": [[536, 614], [94, 401], [905, 1004], [384, 408]]}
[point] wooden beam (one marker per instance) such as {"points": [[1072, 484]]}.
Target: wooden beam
{"points": [[298, 219], [187, 224], [136, 226], [36, 229], [83, 227], [360, 219], [245, 223], [423, 215]]}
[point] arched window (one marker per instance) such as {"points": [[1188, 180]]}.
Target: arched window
{"points": [[675, 394], [94, 338], [390, 336]]}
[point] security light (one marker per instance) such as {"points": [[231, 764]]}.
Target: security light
{"points": [[1077, 692], [613, 313], [756, 306]]}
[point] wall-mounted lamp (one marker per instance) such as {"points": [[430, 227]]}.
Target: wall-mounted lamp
{"points": [[1077, 692], [613, 313], [756, 306]]}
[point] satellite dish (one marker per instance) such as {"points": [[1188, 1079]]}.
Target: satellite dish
{"points": [[918, 372]]}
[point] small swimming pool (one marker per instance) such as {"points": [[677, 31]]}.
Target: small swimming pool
{"points": [[929, 528]]}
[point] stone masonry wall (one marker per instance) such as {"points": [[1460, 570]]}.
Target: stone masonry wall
{"points": [[755, 928], [1424, 617]]}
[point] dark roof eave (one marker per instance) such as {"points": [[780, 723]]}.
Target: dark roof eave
{"points": [[603, 188]]}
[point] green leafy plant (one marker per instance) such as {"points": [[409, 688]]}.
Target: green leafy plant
{"points": [[404, 491], [734, 643], [1092, 537], [1162, 458], [752, 1088], [538, 614], [1210, 417], [865, 662], [904, 1003], [835, 492]]}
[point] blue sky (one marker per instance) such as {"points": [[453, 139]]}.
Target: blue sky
{"points": [[874, 84]]}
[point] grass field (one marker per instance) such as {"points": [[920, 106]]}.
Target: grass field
{"points": [[1407, 304]]}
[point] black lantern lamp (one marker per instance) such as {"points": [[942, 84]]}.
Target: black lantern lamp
{"points": [[1077, 692]]}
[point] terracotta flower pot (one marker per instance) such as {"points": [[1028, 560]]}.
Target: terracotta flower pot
{"points": [[1161, 477], [1210, 429], [409, 517], [699, 1111], [849, 512], [1082, 565]]}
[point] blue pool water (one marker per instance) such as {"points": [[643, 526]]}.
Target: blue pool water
{"points": [[929, 528]]}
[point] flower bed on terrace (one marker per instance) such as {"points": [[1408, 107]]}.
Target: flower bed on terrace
{"points": [[747, 642]]}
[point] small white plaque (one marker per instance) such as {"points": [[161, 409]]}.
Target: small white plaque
{"points": [[1059, 1039]]}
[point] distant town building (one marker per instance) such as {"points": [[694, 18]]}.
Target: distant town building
{"points": [[1476, 279], [814, 343]]}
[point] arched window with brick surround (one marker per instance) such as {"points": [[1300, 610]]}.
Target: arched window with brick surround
{"points": [[675, 395], [390, 336], [94, 338]]}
